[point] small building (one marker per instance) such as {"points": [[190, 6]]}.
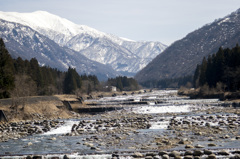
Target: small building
{"points": [[113, 89]]}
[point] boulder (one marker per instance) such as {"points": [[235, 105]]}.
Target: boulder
{"points": [[137, 155], [161, 153], [174, 154], [188, 153], [212, 145], [207, 152], [224, 153], [197, 153], [212, 156], [189, 147], [165, 157]]}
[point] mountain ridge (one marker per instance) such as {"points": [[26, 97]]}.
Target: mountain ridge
{"points": [[23, 41], [90, 42], [181, 58]]}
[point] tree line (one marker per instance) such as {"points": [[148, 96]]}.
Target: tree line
{"points": [[123, 83], [219, 71], [185, 81], [20, 77]]}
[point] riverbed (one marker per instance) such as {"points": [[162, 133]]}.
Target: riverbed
{"points": [[167, 123]]}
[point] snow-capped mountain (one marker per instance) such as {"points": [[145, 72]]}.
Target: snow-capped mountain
{"points": [[123, 55], [181, 58], [23, 41]]}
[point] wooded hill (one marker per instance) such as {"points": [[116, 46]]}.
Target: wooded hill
{"points": [[20, 77], [220, 71]]}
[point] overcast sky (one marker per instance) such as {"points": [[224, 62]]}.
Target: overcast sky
{"points": [[153, 20]]}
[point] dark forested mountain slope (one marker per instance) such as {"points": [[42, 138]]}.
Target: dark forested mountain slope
{"points": [[182, 57]]}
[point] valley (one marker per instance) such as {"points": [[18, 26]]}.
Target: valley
{"points": [[70, 91]]}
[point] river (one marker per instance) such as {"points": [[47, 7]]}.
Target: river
{"points": [[167, 122]]}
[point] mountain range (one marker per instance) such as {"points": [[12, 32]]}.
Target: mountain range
{"points": [[181, 58], [60, 43]]}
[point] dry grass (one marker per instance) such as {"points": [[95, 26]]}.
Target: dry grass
{"points": [[38, 110]]}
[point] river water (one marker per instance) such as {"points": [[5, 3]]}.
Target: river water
{"points": [[102, 141]]}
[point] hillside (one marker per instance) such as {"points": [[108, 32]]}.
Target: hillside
{"points": [[123, 55], [181, 58], [23, 41]]}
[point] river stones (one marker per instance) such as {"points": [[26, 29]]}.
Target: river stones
{"points": [[65, 157], [224, 153], [188, 157], [212, 145], [161, 153], [197, 153], [199, 146], [207, 152], [174, 154], [165, 157], [137, 155], [189, 147], [188, 153], [16, 130], [211, 156]]}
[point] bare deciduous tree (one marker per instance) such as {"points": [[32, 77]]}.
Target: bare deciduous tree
{"points": [[24, 87]]}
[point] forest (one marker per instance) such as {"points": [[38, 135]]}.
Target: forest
{"points": [[124, 83], [220, 71], [20, 78], [175, 83]]}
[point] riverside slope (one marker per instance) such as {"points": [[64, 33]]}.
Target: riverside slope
{"points": [[181, 58], [123, 55]]}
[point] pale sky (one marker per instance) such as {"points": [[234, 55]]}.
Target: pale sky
{"points": [[151, 20]]}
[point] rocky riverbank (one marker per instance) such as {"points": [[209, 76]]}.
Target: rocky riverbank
{"points": [[204, 129], [16, 130]]}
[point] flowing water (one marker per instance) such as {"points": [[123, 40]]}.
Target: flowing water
{"points": [[59, 142]]}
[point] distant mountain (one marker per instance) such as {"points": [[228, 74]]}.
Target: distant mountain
{"points": [[125, 56], [23, 41], [182, 57]]}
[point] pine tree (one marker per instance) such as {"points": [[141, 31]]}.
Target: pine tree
{"points": [[196, 77], [6, 71], [72, 81], [202, 77]]}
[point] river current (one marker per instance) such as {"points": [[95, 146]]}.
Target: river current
{"points": [[58, 142]]}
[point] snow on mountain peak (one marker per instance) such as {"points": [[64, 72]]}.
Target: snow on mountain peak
{"points": [[121, 53], [39, 20]]}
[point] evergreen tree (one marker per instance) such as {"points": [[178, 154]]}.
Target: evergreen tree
{"points": [[202, 77], [196, 77], [6, 71], [72, 81]]}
